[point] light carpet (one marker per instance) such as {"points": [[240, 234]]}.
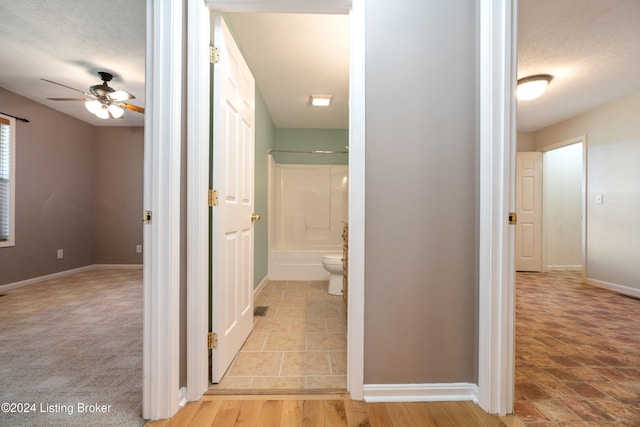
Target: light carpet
{"points": [[71, 351]]}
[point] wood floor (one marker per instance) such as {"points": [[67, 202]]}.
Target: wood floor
{"points": [[326, 411]]}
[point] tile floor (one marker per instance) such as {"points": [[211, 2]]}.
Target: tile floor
{"points": [[577, 353], [300, 343]]}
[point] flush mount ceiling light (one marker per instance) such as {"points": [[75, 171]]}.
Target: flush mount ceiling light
{"points": [[320, 100], [533, 86]]}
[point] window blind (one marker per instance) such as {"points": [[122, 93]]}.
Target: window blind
{"points": [[5, 173]]}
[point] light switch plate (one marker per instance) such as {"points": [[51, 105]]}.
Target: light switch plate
{"points": [[598, 199]]}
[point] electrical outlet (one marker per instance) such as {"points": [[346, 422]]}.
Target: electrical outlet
{"points": [[60, 254], [138, 249]]}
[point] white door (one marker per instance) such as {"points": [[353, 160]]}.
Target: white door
{"points": [[232, 232], [529, 211]]}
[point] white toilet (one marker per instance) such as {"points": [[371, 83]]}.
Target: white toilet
{"points": [[333, 264]]}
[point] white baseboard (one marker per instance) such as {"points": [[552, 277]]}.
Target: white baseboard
{"points": [[260, 287], [65, 273], [447, 392], [39, 279], [563, 267], [119, 266], [622, 289], [182, 397]]}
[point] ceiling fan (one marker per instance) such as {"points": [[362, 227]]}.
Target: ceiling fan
{"points": [[102, 100]]}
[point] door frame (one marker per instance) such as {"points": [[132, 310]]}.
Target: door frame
{"points": [[198, 155], [497, 21], [496, 256], [355, 328], [161, 231], [583, 249]]}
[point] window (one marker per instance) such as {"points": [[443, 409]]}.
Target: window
{"points": [[7, 180]]}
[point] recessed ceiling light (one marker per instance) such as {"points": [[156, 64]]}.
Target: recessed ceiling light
{"points": [[320, 100], [533, 86]]}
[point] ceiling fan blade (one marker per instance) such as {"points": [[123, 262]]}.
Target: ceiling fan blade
{"points": [[69, 99], [120, 95], [131, 107], [68, 87]]}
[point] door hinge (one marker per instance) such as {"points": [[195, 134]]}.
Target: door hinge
{"points": [[212, 340], [146, 217], [214, 55], [513, 218], [213, 198]]}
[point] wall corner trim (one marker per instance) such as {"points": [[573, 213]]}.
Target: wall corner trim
{"points": [[444, 392]]}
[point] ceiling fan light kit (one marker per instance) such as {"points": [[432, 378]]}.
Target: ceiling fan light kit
{"points": [[103, 112], [102, 100], [93, 106], [532, 87], [116, 111]]}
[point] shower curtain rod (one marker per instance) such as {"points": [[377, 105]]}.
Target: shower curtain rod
{"points": [[308, 152]]}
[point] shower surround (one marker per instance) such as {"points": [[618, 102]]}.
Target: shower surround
{"points": [[308, 207]]}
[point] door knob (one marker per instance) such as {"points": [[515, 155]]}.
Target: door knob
{"points": [[255, 217]]}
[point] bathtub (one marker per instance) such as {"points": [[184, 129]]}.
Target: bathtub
{"points": [[290, 264]]}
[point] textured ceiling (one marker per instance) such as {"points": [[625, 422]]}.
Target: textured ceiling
{"points": [[591, 47], [293, 56], [69, 42]]}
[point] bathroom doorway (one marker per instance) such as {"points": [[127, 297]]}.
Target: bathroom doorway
{"points": [[279, 352]]}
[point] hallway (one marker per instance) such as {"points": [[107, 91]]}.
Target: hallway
{"points": [[577, 353]]}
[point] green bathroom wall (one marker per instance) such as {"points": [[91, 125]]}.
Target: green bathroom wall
{"points": [[310, 140], [264, 141]]}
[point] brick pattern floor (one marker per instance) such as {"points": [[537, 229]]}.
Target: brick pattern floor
{"points": [[577, 353]]}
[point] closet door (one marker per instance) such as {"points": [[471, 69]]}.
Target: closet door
{"points": [[529, 211]]}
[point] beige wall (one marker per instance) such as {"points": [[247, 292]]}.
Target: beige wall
{"points": [[118, 194], [54, 188], [613, 156], [525, 141], [420, 253], [63, 198]]}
